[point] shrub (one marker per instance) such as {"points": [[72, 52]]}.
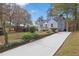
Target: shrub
{"points": [[42, 34], [50, 32], [32, 29], [53, 29], [1, 47], [35, 36], [28, 37], [10, 46], [45, 30], [31, 36]]}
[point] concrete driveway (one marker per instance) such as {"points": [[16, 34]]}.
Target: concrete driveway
{"points": [[44, 47]]}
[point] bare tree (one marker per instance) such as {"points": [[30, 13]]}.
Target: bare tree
{"points": [[13, 14], [3, 18]]}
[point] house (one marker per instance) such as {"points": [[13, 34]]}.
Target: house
{"points": [[57, 22], [41, 24], [21, 27]]}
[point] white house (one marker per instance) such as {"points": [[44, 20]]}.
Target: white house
{"points": [[52, 22]]}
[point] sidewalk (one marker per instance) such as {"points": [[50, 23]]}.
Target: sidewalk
{"points": [[44, 47]]}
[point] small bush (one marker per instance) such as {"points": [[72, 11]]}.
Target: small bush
{"points": [[45, 30], [42, 34], [35, 36], [32, 29], [50, 32], [1, 47], [10, 46], [53, 29], [28, 37]]}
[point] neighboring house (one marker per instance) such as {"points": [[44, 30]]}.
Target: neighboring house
{"points": [[40, 24], [57, 22]]}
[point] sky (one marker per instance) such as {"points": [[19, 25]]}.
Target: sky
{"points": [[37, 9]]}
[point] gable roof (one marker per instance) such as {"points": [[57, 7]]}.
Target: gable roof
{"points": [[55, 18]]}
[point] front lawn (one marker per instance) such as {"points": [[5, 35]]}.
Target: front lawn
{"points": [[70, 46], [14, 36]]}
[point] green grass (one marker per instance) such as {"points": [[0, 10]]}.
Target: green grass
{"points": [[70, 46]]}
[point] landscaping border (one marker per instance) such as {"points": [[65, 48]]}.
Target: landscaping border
{"points": [[9, 47]]}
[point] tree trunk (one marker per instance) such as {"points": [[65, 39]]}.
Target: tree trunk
{"points": [[67, 26], [75, 14], [5, 33], [67, 16], [10, 26], [75, 11], [67, 23]]}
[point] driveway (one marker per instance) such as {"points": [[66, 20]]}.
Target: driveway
{"points": [[44, 47]]}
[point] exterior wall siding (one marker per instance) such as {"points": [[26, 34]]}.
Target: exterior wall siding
{"points": [[55, 24], [46, 24]]}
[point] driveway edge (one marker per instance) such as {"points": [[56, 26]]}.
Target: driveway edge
{"points": [[61, 45]]}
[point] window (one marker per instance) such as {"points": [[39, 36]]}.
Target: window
{"points": [[41, 25], [46, 25], [51, 25]]}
